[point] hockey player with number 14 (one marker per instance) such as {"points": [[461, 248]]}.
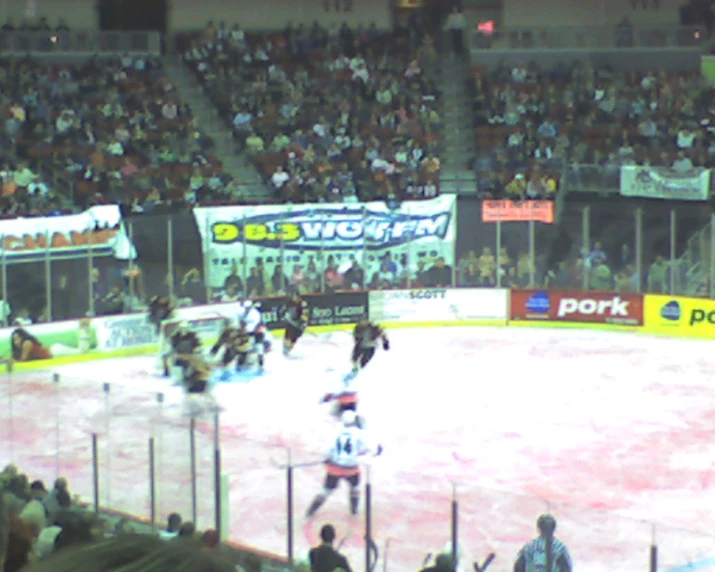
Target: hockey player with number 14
{"points": [[342, 463]]}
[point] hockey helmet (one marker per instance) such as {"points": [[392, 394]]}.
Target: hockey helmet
{"points": [[349, 418]]}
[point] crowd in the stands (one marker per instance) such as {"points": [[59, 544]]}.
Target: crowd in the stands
{"points": [[536, 125], [329, 115]]}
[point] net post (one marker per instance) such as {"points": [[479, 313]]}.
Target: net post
{"points": [[455, 528], [56, 384], [653, 552], [368, 521], [218, 499], [152, 483], [192, 443], [95, 471], [108, 412], [289, 508]]}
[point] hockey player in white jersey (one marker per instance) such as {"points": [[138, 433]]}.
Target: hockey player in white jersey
{"points": [[251, 315], [342, 463]]}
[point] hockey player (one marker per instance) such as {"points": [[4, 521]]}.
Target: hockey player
{"points": [[184, 344], [342, 463], [251, 316], [237, 344], [160, 309], [366, 337], [296, 318], [345, 397], [196, 373]]}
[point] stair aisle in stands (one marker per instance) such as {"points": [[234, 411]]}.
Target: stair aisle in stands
{"points": [[235, 163], [459, 147]]}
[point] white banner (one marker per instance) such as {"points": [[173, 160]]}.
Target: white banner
{"points": [[665, 183], [442, 305], [324, 233], [99, 229]]}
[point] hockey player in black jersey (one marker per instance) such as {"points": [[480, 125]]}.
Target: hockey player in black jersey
{"points": [[184, 344], [366, 337], [296, 317], [237, 344]]}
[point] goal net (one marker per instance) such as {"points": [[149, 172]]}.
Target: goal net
{"points": [[208, 328]]}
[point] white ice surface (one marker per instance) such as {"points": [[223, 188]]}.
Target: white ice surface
{"points": [[612, 433]]}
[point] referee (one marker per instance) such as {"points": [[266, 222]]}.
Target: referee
{"points": [[325, 558], [545, 553]]}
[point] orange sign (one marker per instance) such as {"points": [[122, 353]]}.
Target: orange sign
{"points": [[518, 211]]}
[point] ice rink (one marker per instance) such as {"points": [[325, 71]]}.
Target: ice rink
{"points": [[613, 433]]}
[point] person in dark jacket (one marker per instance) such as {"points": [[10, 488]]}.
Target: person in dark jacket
{"points": [[545, 552], [443, 563], [325, 558]]}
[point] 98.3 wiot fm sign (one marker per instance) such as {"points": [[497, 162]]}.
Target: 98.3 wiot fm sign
{"points": [[301, 233]]}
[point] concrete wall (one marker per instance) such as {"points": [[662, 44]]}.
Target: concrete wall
{"points": [[189, 14], [588, 12]]}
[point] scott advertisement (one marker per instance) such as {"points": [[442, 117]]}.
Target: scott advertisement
{"points": [[320, 234], [673, 315], [439, 305], [577, 307]]}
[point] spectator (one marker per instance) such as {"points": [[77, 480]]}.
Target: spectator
{"points": [[58, 499], [173, 525], [456, 24], [136, 552], [325, 558], [658, 275], [443, 563], [440, 275], [545, 552]]}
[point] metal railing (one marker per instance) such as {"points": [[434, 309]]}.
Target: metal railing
{"points": [[590, 37], [80, 42], [601, 179]]}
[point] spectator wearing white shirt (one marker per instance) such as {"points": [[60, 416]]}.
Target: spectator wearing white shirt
{"points": [[170, 110], [279, 178], [242, 121], [683, 163], [685, 139], [115, 148], [456, 24]]}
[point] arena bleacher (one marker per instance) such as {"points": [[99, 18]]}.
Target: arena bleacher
{"points": [[326, 117]]}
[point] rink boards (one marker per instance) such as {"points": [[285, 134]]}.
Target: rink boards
{"points": [[133, 334]]}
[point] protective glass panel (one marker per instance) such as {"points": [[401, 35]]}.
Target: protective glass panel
{"points": [[610, 260], [476, 246], [186, 266], [692, 264], [656, 246]]}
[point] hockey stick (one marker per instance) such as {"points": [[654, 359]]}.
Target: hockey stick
{"points": [[348, 534], [375, 552], [278, 465], [487, 562], [426, 560]]}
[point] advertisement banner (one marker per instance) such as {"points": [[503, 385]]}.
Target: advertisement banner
{"points": [[665, 183], [98, 229], [441, 305], [577, 307], [317, 233], [324, 309], [676, 316], [518, 211]]}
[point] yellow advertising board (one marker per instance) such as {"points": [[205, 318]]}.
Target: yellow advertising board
{"points": [[677, 316]]}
